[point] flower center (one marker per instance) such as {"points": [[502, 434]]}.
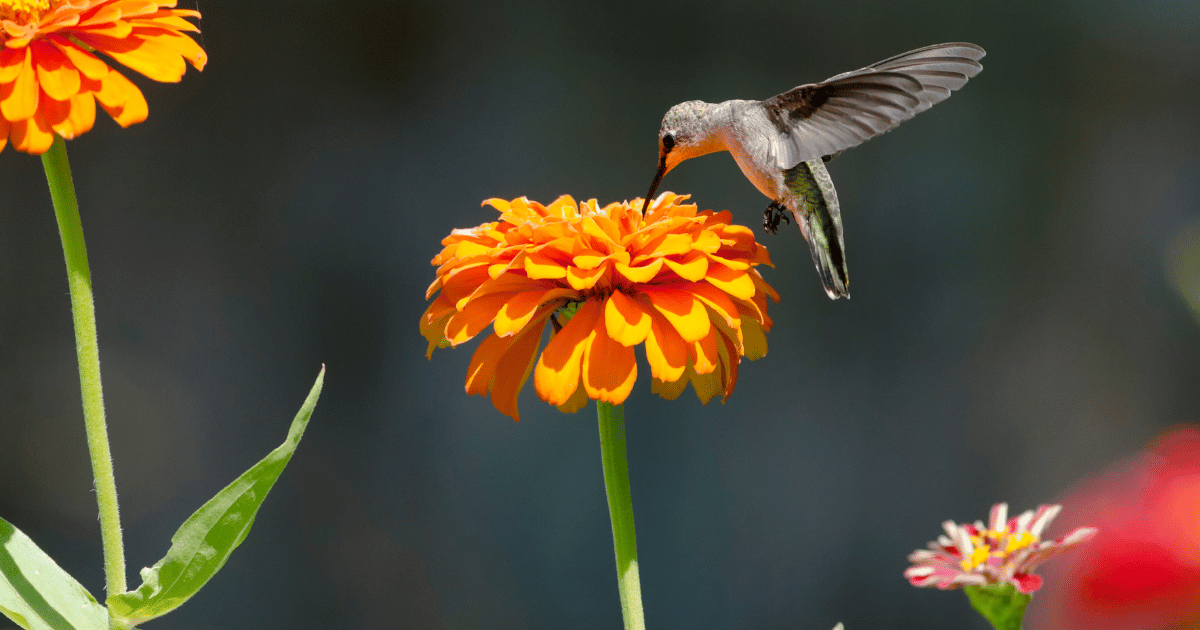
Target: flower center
{"points": [[998, 544], [23, 10]]}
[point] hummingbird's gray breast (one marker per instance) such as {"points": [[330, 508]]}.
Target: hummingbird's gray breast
{"points": [[750, 138]]}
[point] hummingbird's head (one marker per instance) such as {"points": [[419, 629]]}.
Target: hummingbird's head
{"points": [[685, 133], [682, 134]]}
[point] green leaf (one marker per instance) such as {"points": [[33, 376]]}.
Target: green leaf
{"points": [[1000, 604], [37, 594], [204, 542]]}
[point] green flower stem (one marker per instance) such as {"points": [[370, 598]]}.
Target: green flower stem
{"points": [[620, 508], [79, 277]]}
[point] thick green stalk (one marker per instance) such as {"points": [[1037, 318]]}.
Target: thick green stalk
{"points": [[79, 277], [620, 508]]}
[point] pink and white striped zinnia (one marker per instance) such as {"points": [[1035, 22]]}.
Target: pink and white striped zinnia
{"points": [[1005, 552]]}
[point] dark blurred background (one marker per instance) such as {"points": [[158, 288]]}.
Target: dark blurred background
{"points": [[1014, 325]]}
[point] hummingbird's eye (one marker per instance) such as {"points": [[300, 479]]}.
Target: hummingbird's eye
{"points": [[668, 142]]}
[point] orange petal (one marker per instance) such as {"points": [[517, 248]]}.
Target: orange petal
{"points": [[718, 301], [121, 99], [473, 317], [3, 133], [483, 364], [461, 282], [642, 274], [736, 283], [539, 267], [523, 307], [88, 64], [704, 354], [672, 245], [81, 117], [513, 370], [707, 242], [19, 99], [500, 204], [12, 61], [666, 351], [178, 43], [146, 55], [583, 279], [57, 77], [505, 283], [32, 135], [556, 376], [683, 310], [692, 268], [609, 368], [626, 321]]}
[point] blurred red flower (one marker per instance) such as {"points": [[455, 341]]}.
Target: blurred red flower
{"points": [[1142, 570]]}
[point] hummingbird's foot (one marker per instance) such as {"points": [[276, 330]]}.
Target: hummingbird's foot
{"points": [[773, 214]]}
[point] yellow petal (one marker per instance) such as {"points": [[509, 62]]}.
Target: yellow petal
{"points": [[88, 64], [666, 351], [121, 99], [145, 55], [692, 268], [718, 301], [539, 267], [682, 310], [58, 79], [558, 370], [704, 354], [19, 99], [609, 368], [736, 283], [524, 307], [626, 320], [582, 279], [474, 316], [641, 274]]}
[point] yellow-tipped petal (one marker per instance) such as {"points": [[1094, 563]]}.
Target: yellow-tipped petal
{"points": [[626, 320], [609, 368], [557, 373], [683, 310]]}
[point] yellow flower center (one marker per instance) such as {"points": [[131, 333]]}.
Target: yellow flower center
{"points": [[998, 544], [23, 10]]}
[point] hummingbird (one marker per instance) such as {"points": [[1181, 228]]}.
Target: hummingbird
{"points": [[782, 143]]}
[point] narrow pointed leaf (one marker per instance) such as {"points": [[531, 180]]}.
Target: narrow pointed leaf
{"points": [[36, 594], [204, 542]]}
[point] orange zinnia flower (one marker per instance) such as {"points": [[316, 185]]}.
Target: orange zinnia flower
{"points": [[681, 281], [50, 80]]}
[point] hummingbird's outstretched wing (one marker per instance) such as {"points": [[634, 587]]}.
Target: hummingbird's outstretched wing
{"points": [[819, 119]]}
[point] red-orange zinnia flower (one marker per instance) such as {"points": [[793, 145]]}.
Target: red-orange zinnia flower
{"points": [[682, 282], [50, 80]]}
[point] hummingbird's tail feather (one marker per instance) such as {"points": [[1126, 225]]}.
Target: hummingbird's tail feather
{"points": [[815, 207]]}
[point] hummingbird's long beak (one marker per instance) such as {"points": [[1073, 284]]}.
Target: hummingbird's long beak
{"points": [[662, 170]]}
